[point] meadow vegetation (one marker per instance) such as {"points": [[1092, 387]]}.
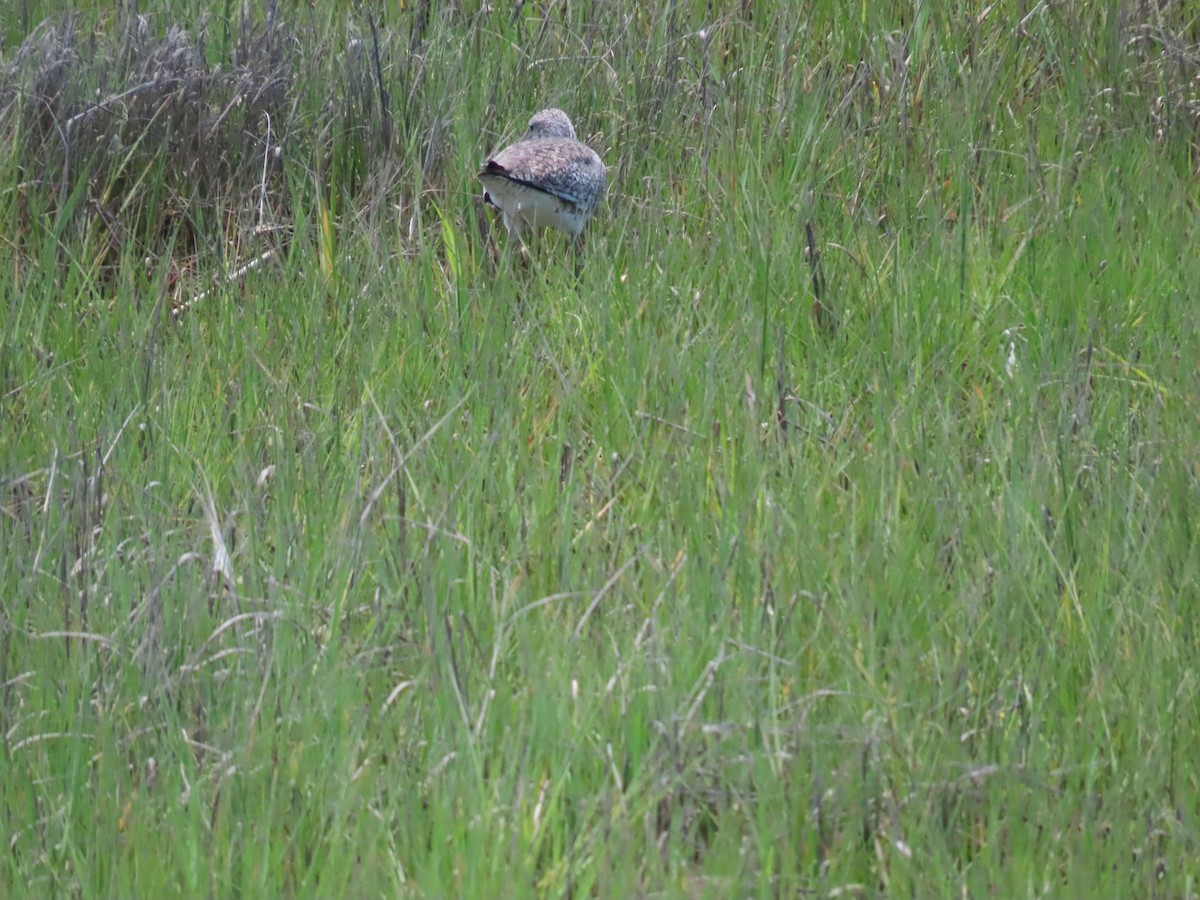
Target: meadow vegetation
{"points": [[832, 533]]}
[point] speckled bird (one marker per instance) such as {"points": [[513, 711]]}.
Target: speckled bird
{"points": [[547, 179]]}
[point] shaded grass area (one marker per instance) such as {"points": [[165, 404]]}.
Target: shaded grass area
{"points": [[392, 566]]}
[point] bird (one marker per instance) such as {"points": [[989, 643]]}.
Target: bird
{"points": [[547, 179]]}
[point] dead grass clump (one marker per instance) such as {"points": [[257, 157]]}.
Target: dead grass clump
{"points": [[1165, 71], [145, 123]]}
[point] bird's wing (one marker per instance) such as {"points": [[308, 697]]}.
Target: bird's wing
{"points": [[566, 169]]}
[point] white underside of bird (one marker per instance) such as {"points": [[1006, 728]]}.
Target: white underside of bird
{"points": [[523, 207]]}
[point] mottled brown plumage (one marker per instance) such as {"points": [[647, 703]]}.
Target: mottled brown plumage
{"points": [[547, 179]]}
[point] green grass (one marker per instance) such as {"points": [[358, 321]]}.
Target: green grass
{"points": [[397, 568]]}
